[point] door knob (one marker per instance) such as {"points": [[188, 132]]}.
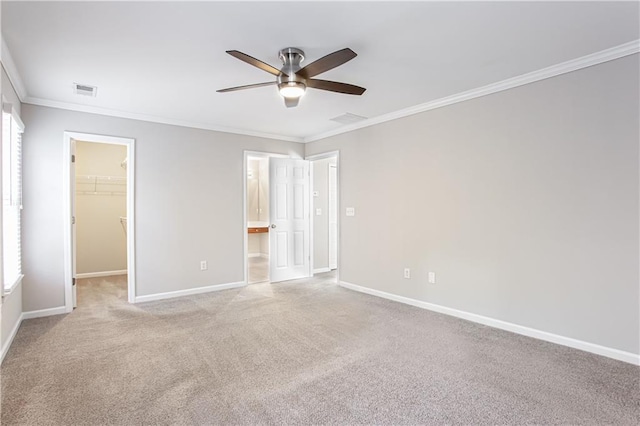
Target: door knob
{"points": [[273, 225]]}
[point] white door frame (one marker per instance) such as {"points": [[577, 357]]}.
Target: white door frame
{"points": [[67, 210], [332, 208], [313, 158], [245, 244]]}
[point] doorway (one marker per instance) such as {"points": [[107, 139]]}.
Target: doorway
{"points": [[257, 211], [99, 219], [277, 236], [324, 214]]}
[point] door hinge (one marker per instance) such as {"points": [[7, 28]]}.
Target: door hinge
{"points": [[73, 281], [73, 158], [73, 220]]}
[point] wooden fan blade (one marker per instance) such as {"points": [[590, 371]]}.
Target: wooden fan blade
{"points": [[248, 86], [291, 102], [334, 86], [255, 62], [327, 63]]}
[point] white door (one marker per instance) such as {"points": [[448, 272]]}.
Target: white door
{"points": [[73, 223], [333, 216], [289, 239]]}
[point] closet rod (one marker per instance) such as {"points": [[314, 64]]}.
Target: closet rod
{"points": [[98, 177]]}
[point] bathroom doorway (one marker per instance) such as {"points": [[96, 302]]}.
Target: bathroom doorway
{"points": [[257, 205], [277, 231]]}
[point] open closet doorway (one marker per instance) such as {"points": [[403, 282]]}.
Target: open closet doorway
{"points": [[324, 213], [99, 207]]}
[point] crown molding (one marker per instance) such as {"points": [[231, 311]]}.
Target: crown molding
{"points": [[18, 85], [12, 72], [606, 55], [155, 119]]}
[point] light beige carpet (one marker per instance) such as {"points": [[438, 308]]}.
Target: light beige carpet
{"points": [[305, 352]]}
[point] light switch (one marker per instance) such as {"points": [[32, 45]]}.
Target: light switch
{"points": [[318, 212], [351, 211]]}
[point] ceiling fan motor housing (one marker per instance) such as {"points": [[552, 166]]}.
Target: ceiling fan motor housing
{"points": [[291, 58]]}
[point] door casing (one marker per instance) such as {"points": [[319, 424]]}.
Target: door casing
{"points": [[322, 156], [333, 209]]}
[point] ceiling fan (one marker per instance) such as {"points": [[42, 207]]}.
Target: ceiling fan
{"points": [[292, 80]]}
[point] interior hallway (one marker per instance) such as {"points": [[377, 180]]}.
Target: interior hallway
{"points": [[305, 351]]}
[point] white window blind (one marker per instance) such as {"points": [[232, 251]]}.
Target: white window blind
{"points": [[12, 129]]}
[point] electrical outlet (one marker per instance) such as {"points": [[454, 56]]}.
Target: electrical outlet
{"points": [[432, 277], [203, 265], [407, 273], [318, 212]]}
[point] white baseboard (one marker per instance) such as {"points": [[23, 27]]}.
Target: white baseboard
{"points": [[262, 255], [12, 335], [503, 325], [44, 312], [321, 270], [188, 292], [101, 274]]}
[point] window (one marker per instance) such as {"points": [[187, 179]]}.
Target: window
{"points": [[12, 129]]}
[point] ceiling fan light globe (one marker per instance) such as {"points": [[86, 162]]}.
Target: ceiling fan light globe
{"points": [[292, 89]]}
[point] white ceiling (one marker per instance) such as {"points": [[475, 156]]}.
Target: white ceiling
{"points": [[166, 60]]}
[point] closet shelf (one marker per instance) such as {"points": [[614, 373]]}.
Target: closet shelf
{"points": [[101, 185], [103, 180]]}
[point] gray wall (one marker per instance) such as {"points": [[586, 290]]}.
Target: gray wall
{"points": [[11, 303], [524, 203], [188, 202]]}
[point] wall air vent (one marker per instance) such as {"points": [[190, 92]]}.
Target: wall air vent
{"points": [[85, 90], [348, 118]]}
